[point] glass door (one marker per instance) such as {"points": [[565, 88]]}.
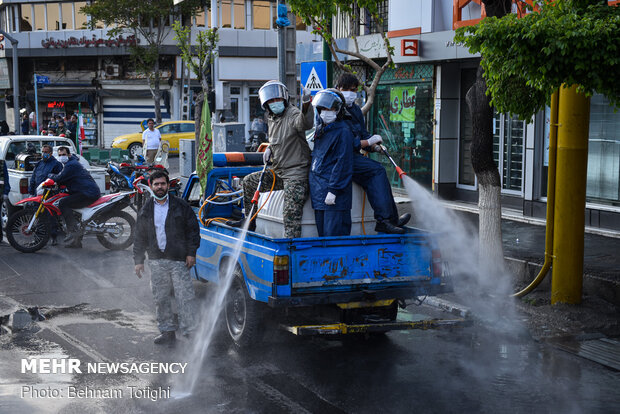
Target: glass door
{"points": [[508, 141]]}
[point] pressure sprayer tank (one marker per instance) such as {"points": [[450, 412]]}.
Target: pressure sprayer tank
{"points": [[270, 222]]}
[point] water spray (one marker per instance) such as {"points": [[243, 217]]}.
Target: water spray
{"points": [[399, 170]]}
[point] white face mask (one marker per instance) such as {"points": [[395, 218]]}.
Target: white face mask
{"points": [[349, 97], [63, 158], [277, 107], [328, 116]]}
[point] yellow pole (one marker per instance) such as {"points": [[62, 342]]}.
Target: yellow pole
{"points": [[553, 145], [570, 196]]}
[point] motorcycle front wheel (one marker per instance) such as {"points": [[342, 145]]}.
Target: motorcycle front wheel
{"points": [[120, 230], [20, 237]]}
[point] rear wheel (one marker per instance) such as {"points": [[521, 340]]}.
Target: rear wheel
{"points": [[22, 239], [244, 315], [119, 230], [135, 149]]}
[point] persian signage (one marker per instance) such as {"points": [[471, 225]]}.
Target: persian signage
{"points": [[93, 41], [402, 103]]}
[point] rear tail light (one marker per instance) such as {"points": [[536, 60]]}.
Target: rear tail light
{"points": [[107, 182], [280, 270], [437, 265], [23, 186]]}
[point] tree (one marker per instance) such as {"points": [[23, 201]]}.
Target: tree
{"points": [[523, 60], [148, 20], [318, 13], [199, 59]]}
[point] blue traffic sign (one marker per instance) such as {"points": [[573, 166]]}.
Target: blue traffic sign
{"points": [[43, 80], [314, 76]]}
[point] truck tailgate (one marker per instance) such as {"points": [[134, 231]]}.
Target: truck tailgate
{"points": [[348, 263]]}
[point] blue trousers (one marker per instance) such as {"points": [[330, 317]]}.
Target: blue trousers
{"points": [[333, 222], [371, 175]]}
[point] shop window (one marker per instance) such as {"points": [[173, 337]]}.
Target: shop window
{"points": [[239, 9], [25, 18], [80, 17], [508, 140], [466, 171], [603, 183], [67, 15], [261, 15], [225, 13], [39, 17], [53, 16], [403, 115]]}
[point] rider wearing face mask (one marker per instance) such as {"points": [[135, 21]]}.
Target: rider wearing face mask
{"points": [[289, 152], [48, 165], [332, 165], [369, 173], [82, 188]]}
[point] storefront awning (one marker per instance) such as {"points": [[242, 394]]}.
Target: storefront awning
{"points": [[64, 94]]}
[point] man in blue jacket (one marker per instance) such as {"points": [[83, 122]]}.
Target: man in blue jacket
{"points": [[83, 191], [48, 165], [332, 166], [5, 188], [368, 173]]}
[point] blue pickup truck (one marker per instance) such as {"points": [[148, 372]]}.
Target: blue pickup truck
{"points": [[316, 285]]}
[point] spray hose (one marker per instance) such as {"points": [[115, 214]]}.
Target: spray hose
{"points": [[209, 200]]}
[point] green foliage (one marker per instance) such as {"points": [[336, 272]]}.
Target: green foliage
{"points": [[199, 57], [565, 42]]}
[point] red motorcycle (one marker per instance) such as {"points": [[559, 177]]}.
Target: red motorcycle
{"points": [[28, 229]]}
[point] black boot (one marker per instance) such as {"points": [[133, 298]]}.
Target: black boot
{"points": [[387, 227], [166, 337], [73, 240], [404, 219]]}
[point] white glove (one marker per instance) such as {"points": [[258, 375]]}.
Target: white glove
{"points": [[374, 140], [266, 155], [306, 95], [330, 200], [40, 191]]}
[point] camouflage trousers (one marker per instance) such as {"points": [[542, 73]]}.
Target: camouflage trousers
{"points": [[295, 195], [170, 280]]}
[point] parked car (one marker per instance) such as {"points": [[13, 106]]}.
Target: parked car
{"points": [[171, 131], [13, 150]]}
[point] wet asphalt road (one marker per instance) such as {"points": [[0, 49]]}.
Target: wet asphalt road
{"points": [[100, 312]]}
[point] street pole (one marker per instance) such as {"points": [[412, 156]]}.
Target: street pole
{"points": [[15, 79], [36, 102], [281, 52]]}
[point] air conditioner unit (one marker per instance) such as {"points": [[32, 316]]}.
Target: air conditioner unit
{"points": [[112, 70]]}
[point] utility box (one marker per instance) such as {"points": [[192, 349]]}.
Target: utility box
{"points": [[229, 137], [187, 157]]}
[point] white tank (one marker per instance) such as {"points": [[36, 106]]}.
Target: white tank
{"points": [[270, 222]]}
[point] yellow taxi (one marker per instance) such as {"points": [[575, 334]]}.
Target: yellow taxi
{"points": [[171, 131]]}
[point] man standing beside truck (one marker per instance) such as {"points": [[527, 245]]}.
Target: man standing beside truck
{"points": [[167, 229], [290, 152]]}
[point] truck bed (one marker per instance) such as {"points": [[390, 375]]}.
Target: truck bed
{"points": [[324, 270]]}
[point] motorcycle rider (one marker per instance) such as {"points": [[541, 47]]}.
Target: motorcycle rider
{"points": [[291, 155], [48, 165], [5, 188], [369, 173], [82, 188]]}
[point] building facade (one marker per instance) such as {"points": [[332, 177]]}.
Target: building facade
{"points": [[421, 113], [90, 70]]}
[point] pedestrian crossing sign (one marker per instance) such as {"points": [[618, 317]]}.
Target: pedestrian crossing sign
{"points": [[314, 76]]}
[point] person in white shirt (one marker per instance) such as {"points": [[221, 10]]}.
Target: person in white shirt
{"points": [[151, 139]]}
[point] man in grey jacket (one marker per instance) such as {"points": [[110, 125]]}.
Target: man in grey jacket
{"points": [[290, 153]]}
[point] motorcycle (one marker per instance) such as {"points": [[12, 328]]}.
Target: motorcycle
{"points": [[28, 229]]}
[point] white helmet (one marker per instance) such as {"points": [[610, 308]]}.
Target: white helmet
{"points": [[270, 90]]}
